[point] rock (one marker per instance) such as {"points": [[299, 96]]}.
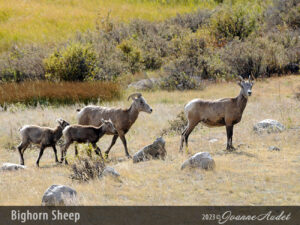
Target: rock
{"points": [[109, 171], [201, 160], [60, 195], [268, 125], [11, 167], [154, 151], [144, 84], [274, 148], [213, 140]]}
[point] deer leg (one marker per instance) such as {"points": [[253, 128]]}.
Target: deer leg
{"points": [[22, 147], [55, 153], [40, 155], [113, 141], [123, 139], [229, 131]]}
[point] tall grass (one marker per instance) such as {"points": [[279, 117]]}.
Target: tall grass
{"points": [[44, 92], [46, 21]]}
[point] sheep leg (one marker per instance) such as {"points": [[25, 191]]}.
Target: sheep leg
{"points": [[113, 141], [187, 133], [76, 150], [55, 153], [182, 138], [64, 152], [40, 155], [22, 147], [98, 151], [123, 139], [229, 131]]}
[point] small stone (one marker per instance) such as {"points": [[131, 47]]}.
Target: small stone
{"points": [[109, 171], [201, 160], [11, 167], [274, 148]]}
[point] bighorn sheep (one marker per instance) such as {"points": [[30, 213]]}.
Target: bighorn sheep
{"points": [[86, 134], [44, 136], [223, 112], [121, 118]]}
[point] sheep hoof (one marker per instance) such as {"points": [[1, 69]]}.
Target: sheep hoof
{"points": [[230, 148], [129, 156], [105, 155]]}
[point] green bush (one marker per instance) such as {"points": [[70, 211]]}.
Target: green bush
{"points": [[231, 22], [132, 55], [76, 62]]}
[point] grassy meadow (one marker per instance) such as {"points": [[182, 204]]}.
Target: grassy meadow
{"points": [[251, 175], [47, 22]]}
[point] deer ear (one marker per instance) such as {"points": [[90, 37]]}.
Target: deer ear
{"points": [[239, 83], [102, 120]]}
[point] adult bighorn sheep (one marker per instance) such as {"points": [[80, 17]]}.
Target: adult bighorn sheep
{"points": [[86, 134], [223, 112], [122, 119], [44, 136]]}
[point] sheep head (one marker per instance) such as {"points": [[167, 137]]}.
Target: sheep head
{"points": [[140, 103]]}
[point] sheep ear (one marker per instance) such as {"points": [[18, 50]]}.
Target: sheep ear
{"points": [[239, 83], [102, 120]]}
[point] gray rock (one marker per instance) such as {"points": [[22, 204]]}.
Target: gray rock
{"points": [[201, 160], [213, 140], [268, 125], [274, 148], [109, 171], [144, 84], [154, 151], [11, 167], [60, 195]]}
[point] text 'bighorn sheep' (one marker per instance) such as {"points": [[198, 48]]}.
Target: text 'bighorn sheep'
{"points": [[224, 112], [44, 136], [121, 118], [86, 134]]}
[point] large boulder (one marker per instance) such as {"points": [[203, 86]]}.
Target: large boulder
{"points": [[269, 126], [144, 84], [202, 160], [154, 151], [11, 167], [59, 195]]}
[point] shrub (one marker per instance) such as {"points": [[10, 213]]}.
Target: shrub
{"points": [[76, 62], [231, 22], [283, 12], [178, 80], [177, 125], [132, 56], [22, 63], [85, 169]]}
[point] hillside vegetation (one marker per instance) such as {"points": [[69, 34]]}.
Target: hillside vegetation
{"points": [[215, 40]]}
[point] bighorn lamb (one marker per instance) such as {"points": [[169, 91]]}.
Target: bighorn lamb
{"points": [[86, 134], [155, 150], [121, 118], [223, 112], [44, 136]]}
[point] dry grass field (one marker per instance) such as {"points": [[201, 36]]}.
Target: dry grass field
{"points": [[252, 175]]}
